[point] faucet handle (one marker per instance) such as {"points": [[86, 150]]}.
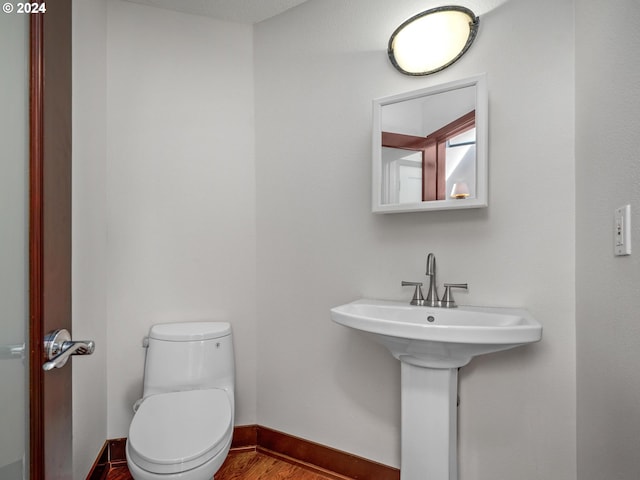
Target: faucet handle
{"points": [[418, 298], [447, 299]]}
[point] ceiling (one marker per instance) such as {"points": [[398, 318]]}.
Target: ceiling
{"points": [[241, 11]]}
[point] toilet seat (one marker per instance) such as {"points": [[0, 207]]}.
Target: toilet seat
{"points": [[178, 431]]}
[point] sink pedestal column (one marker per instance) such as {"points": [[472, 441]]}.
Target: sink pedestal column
{"points": [[429, 423]]}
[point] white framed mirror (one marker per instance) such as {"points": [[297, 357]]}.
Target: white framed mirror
{"points": [[430, 148]]}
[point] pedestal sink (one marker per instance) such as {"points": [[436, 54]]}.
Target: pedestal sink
{"points": [[431, 344]]}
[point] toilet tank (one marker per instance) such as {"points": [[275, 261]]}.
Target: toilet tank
{"points": [[189, 356]]}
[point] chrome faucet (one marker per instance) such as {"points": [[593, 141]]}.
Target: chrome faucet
{"points": [[433, 300]]}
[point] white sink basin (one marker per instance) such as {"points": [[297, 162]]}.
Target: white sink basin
{"points": [[431, 343], [439, 337]]}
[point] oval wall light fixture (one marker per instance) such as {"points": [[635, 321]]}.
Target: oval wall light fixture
{"points": [[432, 40]]}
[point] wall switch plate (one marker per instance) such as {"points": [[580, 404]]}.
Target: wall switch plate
{"points": [[622, 231]]}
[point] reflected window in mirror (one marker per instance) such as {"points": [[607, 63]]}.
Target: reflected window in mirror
{"points": [[461, 165]]}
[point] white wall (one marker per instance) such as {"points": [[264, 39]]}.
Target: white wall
{"points": [[317, 68], [608, 298], [183, 214], [164, 199], [89, 230], [180, 190]]}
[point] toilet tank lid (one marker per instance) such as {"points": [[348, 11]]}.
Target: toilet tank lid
{"points": [[189, 331]]}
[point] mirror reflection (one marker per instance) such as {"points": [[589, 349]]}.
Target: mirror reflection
{"points": [[426, 152]]}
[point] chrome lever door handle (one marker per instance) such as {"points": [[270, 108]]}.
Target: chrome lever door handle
{"points": [[59, 347], [84, 347]]}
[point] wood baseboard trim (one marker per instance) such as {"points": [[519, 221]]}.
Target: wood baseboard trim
{"points": [[244, 436], [111, 455], [324, 460], [327, 459]]}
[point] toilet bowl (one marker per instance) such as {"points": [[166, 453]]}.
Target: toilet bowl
{"points": [[183, 435], [183, 426]]}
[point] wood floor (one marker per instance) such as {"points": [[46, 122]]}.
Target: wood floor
{"points": [[249, 465]]}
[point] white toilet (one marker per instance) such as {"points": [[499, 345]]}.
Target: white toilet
{"points": [[183, 424]]}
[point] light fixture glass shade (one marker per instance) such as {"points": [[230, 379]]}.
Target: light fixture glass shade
{"points": [[432, 40]]}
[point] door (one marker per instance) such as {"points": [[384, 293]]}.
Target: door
{"points": [[35, 234], [50, 237], [14, 260]]}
